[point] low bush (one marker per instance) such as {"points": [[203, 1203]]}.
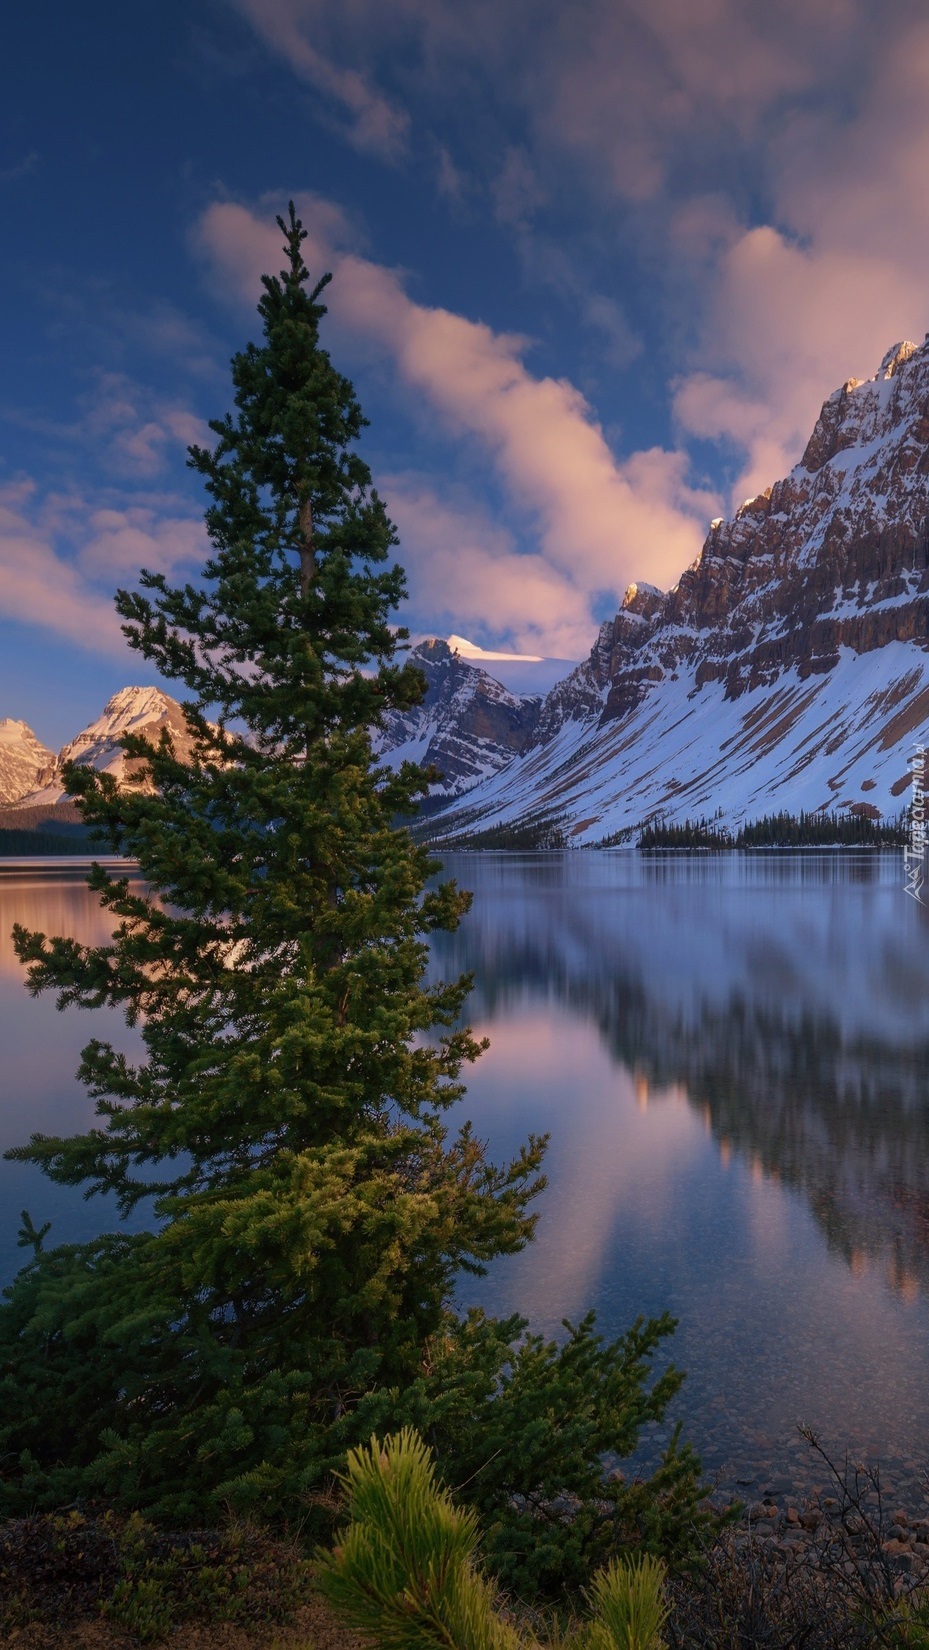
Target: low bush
{"points": [[62, 1568]]}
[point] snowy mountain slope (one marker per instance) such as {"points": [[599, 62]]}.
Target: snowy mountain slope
{"points": [[468, 725], [132, 709], [788, 668], [24, 762]]}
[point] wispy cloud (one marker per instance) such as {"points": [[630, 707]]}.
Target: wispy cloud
{"points": [[40, 587], [131, 432], [374, 122], [137, 432], [637, 91], [22, 168], [516, 190], [452, 183]]}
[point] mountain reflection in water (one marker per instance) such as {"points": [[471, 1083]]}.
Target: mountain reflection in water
{"points": [[731, 1054]]}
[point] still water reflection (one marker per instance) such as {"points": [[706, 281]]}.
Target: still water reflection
{"points": [[732, 1057], [39, 1054]]}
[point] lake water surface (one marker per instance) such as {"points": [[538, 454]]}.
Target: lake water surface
{"points": [[731, 1055]]}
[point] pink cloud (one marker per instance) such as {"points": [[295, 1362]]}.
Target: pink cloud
{"points": [[39, 587], [466, 571], [642, 89], [684, 110], [61, 555], [599, 520], [798, 309], [119, 542], [139, 430]]}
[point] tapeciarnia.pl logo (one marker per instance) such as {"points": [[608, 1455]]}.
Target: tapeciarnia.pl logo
{"points": [[914, 854]]}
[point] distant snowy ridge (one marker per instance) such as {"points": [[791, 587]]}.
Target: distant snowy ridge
{"points": [[468, 726], [131, 710], [788, 668]]}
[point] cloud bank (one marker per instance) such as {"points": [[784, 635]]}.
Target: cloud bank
{"points": [[62, 555], [798, 306], [721, 201]]}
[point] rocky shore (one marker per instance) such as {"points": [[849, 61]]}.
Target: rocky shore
{"points": [[824, 1529]]}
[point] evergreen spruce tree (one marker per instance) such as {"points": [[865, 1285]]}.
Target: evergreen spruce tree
{"points": [[313, 1210], [288, 1112]]}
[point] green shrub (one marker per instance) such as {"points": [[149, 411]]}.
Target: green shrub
{"points": [[405, 1568], [141, 1606], [525, 1427], [629, 1606], [908, 1628]]}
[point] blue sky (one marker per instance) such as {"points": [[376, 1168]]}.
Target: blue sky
{"points": [[596, 267]]}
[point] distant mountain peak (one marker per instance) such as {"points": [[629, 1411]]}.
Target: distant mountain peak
{"points": [[131, 704], [24, 761], [468, 725], [132, 709]]}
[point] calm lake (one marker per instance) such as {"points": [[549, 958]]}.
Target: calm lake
{"points": [[731, 1055]]}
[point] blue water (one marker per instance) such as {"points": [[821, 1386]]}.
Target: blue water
{"points": [[731, 1054]]}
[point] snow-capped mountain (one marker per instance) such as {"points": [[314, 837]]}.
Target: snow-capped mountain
{"points": [[789, 666], [24, 762], [468, 725], [131, 710]]}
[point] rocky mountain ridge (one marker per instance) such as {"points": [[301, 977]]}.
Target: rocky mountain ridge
{"points": [[468, 725], [834, 555], [787, 668]]}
